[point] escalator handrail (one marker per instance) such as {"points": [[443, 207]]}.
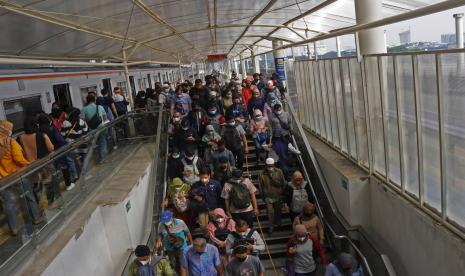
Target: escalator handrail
{"points": [[13, 178], [291, 111]]}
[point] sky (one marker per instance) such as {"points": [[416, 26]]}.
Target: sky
{"points": [[426, 28]]}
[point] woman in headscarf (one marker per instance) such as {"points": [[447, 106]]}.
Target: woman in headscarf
{"points": [[11, 160], [312, 222], [218, 230], [300, 249], [259, 129], [210, 140]]}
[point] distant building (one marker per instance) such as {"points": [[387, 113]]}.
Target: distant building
{"points": [[404, 37], [448, 39]]}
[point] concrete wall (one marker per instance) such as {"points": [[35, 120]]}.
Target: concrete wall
{"points": [[105, 240], [414, 242]]}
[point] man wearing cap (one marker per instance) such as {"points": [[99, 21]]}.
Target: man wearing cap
{"points": [[242, 263], [271, 184], [173, 235], [144, 264], [232, 188], [201, 259]]}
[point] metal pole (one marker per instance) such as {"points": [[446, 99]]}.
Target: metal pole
{"points": [[338, 47], [315, 51], [180, 69], [459, 30], [128, 82]]}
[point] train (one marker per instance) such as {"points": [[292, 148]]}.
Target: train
{"points": [[28, 90]]}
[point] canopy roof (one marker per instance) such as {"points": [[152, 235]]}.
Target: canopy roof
{"points": [[168, 30]]}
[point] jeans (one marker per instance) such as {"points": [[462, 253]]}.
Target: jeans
{"points": [[10, 205], [71, 160], [102, 145]]}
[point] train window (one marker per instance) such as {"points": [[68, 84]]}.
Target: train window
{"points": [[17, 110], [63, 95], [85, 91], [149, 79]]}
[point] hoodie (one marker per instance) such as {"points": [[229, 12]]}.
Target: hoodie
{"points": [[211, 227]]}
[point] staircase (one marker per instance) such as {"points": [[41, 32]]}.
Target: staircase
{"points": [[277, 242]]}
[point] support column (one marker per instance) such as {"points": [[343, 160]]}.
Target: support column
{"points": [[193, 74], [459, 30], [243, 71], [370, 41], [338, 47], [180, 69], [128, 82], [315, 51], [255, 63], [279, 56], [236, 66]]}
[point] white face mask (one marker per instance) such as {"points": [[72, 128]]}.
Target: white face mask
{"points": [[232, 123], [145, 262], [176, 119], [204, 180], [190, 158], [219, 220], [175, 156], [185, 128], [301, 238], [279, 112], [169, 223], [258, 118]]}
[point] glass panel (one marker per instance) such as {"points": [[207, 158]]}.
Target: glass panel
{"points": [[390, 113], [408, 123], [339, 105], [321, 113], [311, 80], [308, 98], [297, 72], [324, 99], [453, 78], [427, 91], [332, 102], [305, 92], [376, 118], [359, 111], [349, 109]]}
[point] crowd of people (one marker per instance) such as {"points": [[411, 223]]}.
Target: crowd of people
{"points": [[210, 223], [44, 134], [210, 187]]}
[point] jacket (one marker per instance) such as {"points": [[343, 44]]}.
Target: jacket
{"points": [[13, 160], [267, 189], [163, 268]]}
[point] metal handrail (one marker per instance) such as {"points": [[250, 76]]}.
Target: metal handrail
{"points": [[318, 207], [12, 179]]}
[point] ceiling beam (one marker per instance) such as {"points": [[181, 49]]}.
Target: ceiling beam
{"points": [[254, 19]]}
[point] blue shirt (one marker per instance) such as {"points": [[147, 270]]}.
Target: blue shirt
{"points": [[212, 192], [178, 228], [201, 264], [332, 270]]}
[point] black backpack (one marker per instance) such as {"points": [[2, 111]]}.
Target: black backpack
{"points": [[240, 195], [222, 233], [247, 239], [232, 138]]}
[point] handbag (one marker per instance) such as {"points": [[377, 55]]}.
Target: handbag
{"points": [[96, 120]]}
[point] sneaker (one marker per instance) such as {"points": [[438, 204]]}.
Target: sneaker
{"points": [[293, 150], [71, 186]]}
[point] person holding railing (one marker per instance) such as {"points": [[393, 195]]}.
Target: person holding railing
{"points": [[12, 159]]}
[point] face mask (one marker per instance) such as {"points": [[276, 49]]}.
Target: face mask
{"points": [[190, 158], [279, 112], [219, 220], [175, 156], [228, 95], [185, 128], [232, 123], [168, 223], [212, 112], [258, 118], [301, 238], [145, 262], [241, 259], [179, 95], [204, 180], [176, 119]]}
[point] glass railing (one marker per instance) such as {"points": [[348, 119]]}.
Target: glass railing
{"points": [[157, 183], [37, 201], [340, 237]]}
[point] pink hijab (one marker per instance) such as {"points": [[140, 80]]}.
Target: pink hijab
{"points": [[218, 212]]}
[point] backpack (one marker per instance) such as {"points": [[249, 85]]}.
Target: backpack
{"points": [[147, 269], [240, 195], [121, 107], [96, 120], [222, 233], [195, 171], [299, 198], [247, 239], [232, 139]]}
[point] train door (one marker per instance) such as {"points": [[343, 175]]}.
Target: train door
{"points": [[133, 85], [62, 95], [107, 86], [18, 109], [149, 80]]}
